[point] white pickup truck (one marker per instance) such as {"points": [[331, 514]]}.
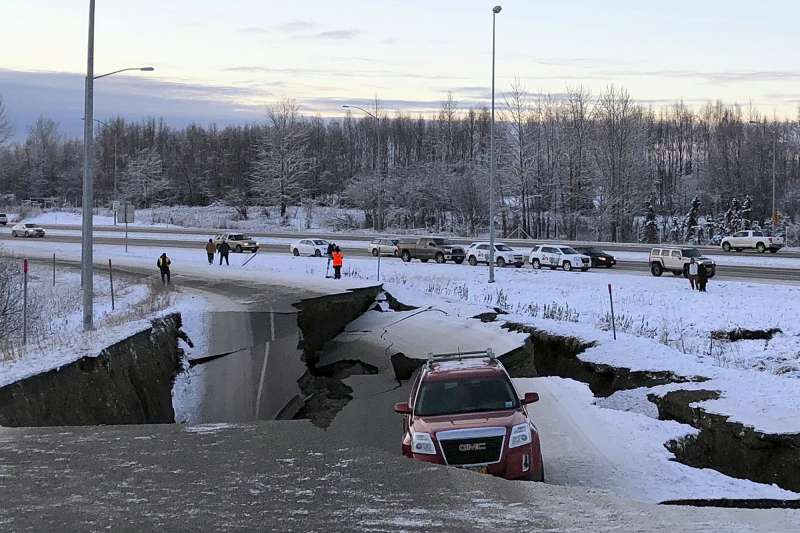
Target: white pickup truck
{"points": [[752, 239]]}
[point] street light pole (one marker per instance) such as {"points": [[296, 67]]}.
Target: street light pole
{"points": [[87, 229], [88, 183], [377, 159], [495, 11]]}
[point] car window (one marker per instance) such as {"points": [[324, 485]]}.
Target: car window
{"points": [[757, 234], [675, 253], [740, 234], [440, 242], [376, 241], [30, 225], [320, 242], [691, 252], [567, 250], [655, 251], [502, 248], [664, 253], [464, 396], [483, 247], [305, 242]]}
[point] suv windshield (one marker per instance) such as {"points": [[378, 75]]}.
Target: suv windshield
{"points": [[30, 225], [471, 395], [690, 252], [319, 242], [440, 242], [236, 237]]}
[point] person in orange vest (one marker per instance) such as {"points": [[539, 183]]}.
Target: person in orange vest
{"points": [[338, 260]]}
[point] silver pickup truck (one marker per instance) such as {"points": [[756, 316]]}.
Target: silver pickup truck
{"points": [[426, 248]]}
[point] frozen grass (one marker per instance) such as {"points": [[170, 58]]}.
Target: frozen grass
{"points": [[55, 310]]}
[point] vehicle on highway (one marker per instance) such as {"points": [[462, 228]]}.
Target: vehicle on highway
{"points": [[558, 256], [598, 257], [3, 219], [478, 252], [676, 260], [27, 229], [752, 239], [464, 411], [313, 247], [426, 248], [239, 242], [383, 247]]}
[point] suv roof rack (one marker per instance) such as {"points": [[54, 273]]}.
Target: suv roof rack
{"points": [[459, 356]]}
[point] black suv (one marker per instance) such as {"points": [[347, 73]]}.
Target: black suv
{"points": [[599, 257]]}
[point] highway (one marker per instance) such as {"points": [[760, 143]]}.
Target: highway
{"points": [[356, 246], [609, 246]]}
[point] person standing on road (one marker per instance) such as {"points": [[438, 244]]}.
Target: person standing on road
{"points": [[210, 250], [693, 271], [224, 249], [702, 277], [338, 261], [163, 264]]}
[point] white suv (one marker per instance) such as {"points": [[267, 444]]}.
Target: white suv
{"points": [[504, 255], [676, 260], [558, 255]]}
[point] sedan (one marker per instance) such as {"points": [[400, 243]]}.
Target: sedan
{"points": [[383, 247], [313, 247], [599, 257], [27, 230]]}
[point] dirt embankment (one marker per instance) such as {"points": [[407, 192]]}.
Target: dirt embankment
{"points": [[129, 382]]}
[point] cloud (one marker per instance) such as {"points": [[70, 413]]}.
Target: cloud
{"points": [[256, 30], [297, 26], [342, 73], [335, 35]]}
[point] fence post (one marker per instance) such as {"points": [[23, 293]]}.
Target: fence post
{"points": [[25, 302], [111, 279], [54, 270], [379, 262], [613, 318]]}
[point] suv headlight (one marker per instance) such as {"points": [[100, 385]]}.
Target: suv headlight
{"points": [[422, 443], [520, 435]]}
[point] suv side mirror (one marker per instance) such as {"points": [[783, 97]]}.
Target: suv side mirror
{"points": [[403, 408], [530, 397]]}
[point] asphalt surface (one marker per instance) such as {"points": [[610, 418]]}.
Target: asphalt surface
{"points": [[609, 246], [290, 476], [767, 273]]}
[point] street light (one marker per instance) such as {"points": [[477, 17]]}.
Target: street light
{"points": [[495, 11], [88, 175], [377, 159], [774, 163]]}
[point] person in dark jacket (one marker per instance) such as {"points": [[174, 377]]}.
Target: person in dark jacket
{"points": [[210, 250], [702, 277], [163, 264], [224, 249]]}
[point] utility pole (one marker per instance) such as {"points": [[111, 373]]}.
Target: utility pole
{"points": [[495, 11], [88, 183]]}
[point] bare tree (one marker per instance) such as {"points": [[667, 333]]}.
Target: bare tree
{"points": [[5, 124], [282, 159], [143, 181], [520, 149]]}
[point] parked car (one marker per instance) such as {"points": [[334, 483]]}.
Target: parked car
{"points": [[239, 242], [676, 260], [464, 411], [27, 230], [752, 239], [315, 247], [478, 252], [558, 256], [383, 247], [598, 257], [426, 248], [3, 219]]}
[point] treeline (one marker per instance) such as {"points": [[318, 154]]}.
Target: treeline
{"points": [[573, 165]]}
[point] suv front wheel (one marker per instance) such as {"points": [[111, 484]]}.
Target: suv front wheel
{"points": [[656, 269], [406, 256], [726, 246], [472, 261], [567, 266], [535, 263]]}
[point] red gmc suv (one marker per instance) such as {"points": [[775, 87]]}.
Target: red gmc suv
{"points": [[464, 411]]}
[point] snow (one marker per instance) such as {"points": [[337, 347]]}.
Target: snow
{"points": [[663, 326]]}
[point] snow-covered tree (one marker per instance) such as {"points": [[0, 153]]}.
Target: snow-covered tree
{"points": [[5, 124], [282, 159], [692, 220], [143, 182], [650, 226]]}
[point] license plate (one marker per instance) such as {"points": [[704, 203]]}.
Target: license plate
{"points": [[478, 469]]}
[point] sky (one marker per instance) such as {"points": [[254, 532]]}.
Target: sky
{"points": [[224, 62]]}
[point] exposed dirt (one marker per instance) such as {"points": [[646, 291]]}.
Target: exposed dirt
{"points": [[740, 334], [729, 447]]}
